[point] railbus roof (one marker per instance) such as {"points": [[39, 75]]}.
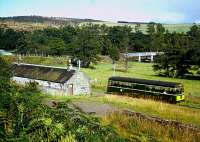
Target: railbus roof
{"points": [[148, 82]]}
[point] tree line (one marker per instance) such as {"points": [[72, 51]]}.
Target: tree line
{"points": [[183, 58], [88, 41]]}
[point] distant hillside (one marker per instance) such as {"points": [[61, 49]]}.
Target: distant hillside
{"points": [[41, 19], [39, 22]]}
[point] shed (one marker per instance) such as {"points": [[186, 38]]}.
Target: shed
{"points": [[53, 80]]}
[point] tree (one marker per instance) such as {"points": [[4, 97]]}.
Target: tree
{"points": [[194, 36], [68, 33], [87, 45], [151, 28], [119, 37], [177, 62], [56, 46], [106, 45], [114, 54], [171, 63], [137, 28], [9, 38], [160, 30], [158, 42], [139, 42], [105, 42]]}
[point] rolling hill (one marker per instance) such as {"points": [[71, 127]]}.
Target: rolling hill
{"points": [[39, 22]]}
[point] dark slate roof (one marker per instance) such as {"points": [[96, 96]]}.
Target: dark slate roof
{"points": [[45, 73], [148, 82]]}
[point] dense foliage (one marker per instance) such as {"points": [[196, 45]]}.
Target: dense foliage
{"points": [[86, 42], [183, 57], [24, 117]]}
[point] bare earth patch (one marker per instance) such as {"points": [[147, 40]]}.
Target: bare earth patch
{"points": [[97, 109]]}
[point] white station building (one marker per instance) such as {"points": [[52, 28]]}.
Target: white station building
{"points": [[53, 80]]}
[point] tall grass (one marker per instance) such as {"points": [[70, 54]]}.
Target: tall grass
{"points": [[140, 130], [154, 108]]}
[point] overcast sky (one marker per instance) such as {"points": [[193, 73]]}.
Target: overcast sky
{"points": [[166, 11]]}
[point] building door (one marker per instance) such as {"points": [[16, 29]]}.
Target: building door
{"points": [[70, 89]]}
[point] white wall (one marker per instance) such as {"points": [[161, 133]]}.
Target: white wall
{"points": [[81, 84], [46, 86]]}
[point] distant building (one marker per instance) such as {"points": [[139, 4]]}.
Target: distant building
{"points": [[5, 53], [143, 55], [53, 80]]}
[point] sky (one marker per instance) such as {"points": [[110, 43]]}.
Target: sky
{"points": [[164, 11]]}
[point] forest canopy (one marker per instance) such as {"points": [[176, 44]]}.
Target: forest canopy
{"points": [[88, 41]]}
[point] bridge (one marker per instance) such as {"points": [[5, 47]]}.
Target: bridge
{"points": [[139, 55]]}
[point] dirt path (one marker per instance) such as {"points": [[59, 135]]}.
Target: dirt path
{"points": [[94, 108], [89, 107]]}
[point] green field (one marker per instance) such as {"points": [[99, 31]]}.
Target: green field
{"points": [[103, 71], [170, 27]]}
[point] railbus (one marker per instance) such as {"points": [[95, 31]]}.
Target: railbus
{"points": [[168, 91]]}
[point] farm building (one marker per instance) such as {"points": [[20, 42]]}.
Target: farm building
{"points": [[53, 80]]}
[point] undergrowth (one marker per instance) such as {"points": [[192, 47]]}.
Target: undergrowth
{"points": [[140, 130]]}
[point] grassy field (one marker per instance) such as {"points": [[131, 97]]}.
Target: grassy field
{"points": [[170, 27]]}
